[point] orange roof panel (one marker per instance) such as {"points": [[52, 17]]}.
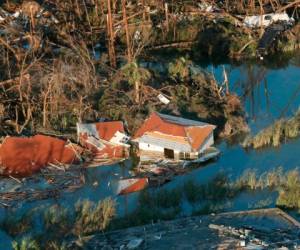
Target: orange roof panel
{"points": [[195, 135], [106, 130], [155, 123], [198, 135]]}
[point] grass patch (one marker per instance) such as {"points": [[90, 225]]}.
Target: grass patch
{"points": [[87, 217], [91, 217], [275, 134], [57, 219], [289, 193], [26, 243], [251, 180]]}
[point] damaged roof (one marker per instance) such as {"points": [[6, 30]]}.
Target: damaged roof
{"points": [[22, 156], [101, 130], [157, 126]]}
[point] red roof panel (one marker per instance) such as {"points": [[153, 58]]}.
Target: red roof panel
{"points": [[106, 130]]}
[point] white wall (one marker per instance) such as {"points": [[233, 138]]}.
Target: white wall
{"points": [[154, 148], [208, 142], [150, 147]]}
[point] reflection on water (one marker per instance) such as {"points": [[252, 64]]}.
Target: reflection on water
{"points": [[267, 94]]}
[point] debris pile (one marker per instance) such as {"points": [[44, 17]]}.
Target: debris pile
{"points": [[106, 140], [258, 237], [267, 20], [50, 182], [126, 186], [256, 229]]}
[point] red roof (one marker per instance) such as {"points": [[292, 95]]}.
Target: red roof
{"points": [[106, 130], [22, 156], [195, 133]]}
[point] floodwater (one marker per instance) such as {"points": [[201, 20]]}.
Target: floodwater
{"points": [[268, 93]]}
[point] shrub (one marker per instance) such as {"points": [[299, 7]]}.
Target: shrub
{"points": [[91, 217], [289, 193], [193, 192], [25, 244], [57, 218]]}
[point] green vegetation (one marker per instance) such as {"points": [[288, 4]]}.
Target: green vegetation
{"points": [[86, 218], [91, 217], [274, 178], [215, 196], [289, 193], [274, 135], [154, 205], [15, 225], [26, 244], [179, 69], [56, 219]]}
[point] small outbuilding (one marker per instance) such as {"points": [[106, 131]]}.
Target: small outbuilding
{"points": [[166, 136], [105, 139]]}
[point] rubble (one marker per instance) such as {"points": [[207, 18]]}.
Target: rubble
{"points": [[233, 230], [127, 186], [106, 140], [50, 182], [267, 20]]}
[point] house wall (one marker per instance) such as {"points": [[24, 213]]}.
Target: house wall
{"points": [[146, 148], [208, 142], [150, 147]]}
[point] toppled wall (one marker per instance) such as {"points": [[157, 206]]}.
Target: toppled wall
{"points": [[25, 156]]}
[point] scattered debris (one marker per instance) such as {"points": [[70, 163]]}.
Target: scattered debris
{"points": [[163, 99], [135, 243], [270, 35], [106, 140], [49, 183], [254, 229], [127, 186], [266, 20]]}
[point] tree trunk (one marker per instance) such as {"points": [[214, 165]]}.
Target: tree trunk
{"points": [[111, 37], [129, 55], [137, 91]]}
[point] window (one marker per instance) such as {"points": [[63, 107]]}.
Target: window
{"points": [[187, 156], [181, 155], [184, 156], [268, 17]]}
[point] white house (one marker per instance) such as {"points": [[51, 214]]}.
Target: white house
{"points": [[173, 137]]}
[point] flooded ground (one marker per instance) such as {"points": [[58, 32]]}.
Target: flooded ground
{"points": [[268, 93]]}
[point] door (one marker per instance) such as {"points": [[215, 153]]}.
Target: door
{"points": [[169, 153]]}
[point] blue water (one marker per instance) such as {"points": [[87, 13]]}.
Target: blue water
{"points": [[267, 94]]}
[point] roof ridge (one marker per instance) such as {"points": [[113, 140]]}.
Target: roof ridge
{"points": [[187, 136]]}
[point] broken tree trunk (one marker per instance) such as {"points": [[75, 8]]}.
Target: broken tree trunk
{"points": [[129, 54], [111, 37]]}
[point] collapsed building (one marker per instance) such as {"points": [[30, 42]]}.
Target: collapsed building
{"points": [[23, 156], [104, 139]]}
